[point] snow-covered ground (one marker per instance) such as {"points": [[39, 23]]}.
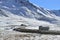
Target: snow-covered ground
{"points": [[13, 13], [7, 24], [12, 35]]}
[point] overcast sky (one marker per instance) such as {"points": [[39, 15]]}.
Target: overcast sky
{"points": [[49, 4]]}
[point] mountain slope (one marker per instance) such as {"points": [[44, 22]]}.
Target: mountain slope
{"points": [[26, 9], [57, 12], [15, 9], [13, 13]]}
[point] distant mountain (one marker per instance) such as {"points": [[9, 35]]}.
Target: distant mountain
{"points": [[56, 12]]}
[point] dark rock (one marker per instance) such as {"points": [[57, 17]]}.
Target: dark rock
{"points": [[43, 28], [23, 25]]}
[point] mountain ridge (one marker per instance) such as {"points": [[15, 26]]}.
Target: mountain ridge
{"points": [[28, 10]]}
